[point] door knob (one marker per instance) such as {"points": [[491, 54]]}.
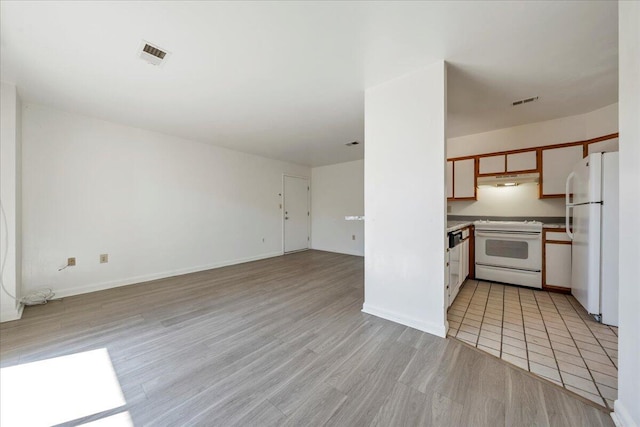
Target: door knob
{"points": [[286, 217]]}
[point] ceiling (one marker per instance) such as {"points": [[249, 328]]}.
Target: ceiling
{"points": [[286, 80]]}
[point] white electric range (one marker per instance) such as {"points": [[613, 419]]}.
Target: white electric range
{"points": [[509, 252]]}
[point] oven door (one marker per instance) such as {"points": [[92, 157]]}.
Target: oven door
{"points": [[520, 250]]}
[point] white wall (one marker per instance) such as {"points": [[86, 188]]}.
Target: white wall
{"points": [[405, 199], [508, 201], [603, 121], [158, 205], [338, 191], [10, 174], [627, 407], [523, 200]]}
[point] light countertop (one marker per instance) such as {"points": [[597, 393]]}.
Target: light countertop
{"points": [[457, 225], [553, 225]]}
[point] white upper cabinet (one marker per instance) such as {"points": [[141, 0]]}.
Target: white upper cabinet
{"points": [[505, 163], [464, 179], [608, 145], [449, 179], [492, 164], [557, 164], [522, 161], [554, 162]]}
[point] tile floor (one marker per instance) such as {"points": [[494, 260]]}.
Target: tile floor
{"points": [[548, 334]]}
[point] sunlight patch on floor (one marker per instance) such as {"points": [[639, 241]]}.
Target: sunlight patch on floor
{"points": [[123, 419], [59, 390]]}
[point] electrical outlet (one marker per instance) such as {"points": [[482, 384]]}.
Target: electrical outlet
{"points": [[263, 240], [71, 261], [104, 258], [353, 237]]}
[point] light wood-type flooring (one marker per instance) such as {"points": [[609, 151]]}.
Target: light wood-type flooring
{"points": [[282, 341]]}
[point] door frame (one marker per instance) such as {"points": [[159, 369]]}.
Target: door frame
{"points": [[308, 179]]}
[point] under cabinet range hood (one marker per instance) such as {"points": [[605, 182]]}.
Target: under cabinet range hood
{"points": [[509, 180]]}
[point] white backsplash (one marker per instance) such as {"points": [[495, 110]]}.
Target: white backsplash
{"points": [[518, 201]]}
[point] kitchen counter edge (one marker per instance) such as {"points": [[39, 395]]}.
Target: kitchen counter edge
{"points": [[457, 225]]}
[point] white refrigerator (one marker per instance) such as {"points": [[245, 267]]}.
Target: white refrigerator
{"points": [[592, 202]]}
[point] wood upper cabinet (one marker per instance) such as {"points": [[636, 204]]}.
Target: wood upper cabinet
{"points": [[507, 163], [525, 161], [553, 162], [449, 179], [557, 164], [464, 179], [492, 165]]}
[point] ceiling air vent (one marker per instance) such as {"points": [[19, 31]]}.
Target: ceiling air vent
{"points": [[350, 144], [154, 55], [525, 101]]}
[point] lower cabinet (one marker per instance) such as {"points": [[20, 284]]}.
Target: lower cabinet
{"points": [[465, 260], [454, 272], [458, 263], [557, 260], [447, 301]]}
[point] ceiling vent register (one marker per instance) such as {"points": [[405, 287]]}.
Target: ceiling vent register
{"points": [[153, 54], [525, 101]]}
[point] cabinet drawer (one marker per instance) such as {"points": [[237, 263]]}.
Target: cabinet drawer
{"points": [[559, 236]]}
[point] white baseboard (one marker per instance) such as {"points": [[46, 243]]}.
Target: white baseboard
{"points": [[621, 416], [9, 315], [428, 327], [338, 252], [62, 293]]}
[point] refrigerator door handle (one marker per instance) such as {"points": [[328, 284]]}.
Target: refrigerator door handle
{"points": [[567, 194], [568, 205], [566, 219]]}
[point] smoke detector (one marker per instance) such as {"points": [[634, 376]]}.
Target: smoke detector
{"points": [[350, 144], [152, 54], [525, 101]]}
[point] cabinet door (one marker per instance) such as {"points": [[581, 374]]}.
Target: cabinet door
{"points": [[461, 276], [492, 164], [449, 179], [522, 161], [447, 295], [464, 179], [608, 145], [454, 271], [465, 260], [466, 264], [557, 164], [558, 265]]}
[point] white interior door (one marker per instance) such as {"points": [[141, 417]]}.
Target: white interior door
{"points": [[296, 213]]}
